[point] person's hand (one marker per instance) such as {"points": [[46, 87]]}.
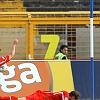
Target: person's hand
{"points": [[15, 42]]}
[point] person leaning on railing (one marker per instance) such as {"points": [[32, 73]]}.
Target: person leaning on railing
{"points": [[62, 55]]}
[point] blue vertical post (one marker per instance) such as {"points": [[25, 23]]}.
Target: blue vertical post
{"points": [[91, 50]]}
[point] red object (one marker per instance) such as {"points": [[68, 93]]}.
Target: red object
{"points": [[48, 95], [4, 97], [4, 60], [14, 98]]}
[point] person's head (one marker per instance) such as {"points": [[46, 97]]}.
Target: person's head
{"points": [[64, 49], [74, 95]]}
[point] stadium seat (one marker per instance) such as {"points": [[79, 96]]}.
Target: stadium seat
{"points": [[12, 6]]}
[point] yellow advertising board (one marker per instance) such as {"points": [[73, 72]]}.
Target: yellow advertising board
{"points": [[25, 77]]}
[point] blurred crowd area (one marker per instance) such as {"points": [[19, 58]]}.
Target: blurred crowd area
{"points": [[60, 5], [48, 5]]}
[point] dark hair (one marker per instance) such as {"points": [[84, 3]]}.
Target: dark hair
{"points": [[76, 94], [62, 47]]}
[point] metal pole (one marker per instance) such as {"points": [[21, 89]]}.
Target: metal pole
{"points": [[66, 42], [91, 50]]}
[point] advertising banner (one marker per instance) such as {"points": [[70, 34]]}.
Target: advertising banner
{"points": [[25, 77]]}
